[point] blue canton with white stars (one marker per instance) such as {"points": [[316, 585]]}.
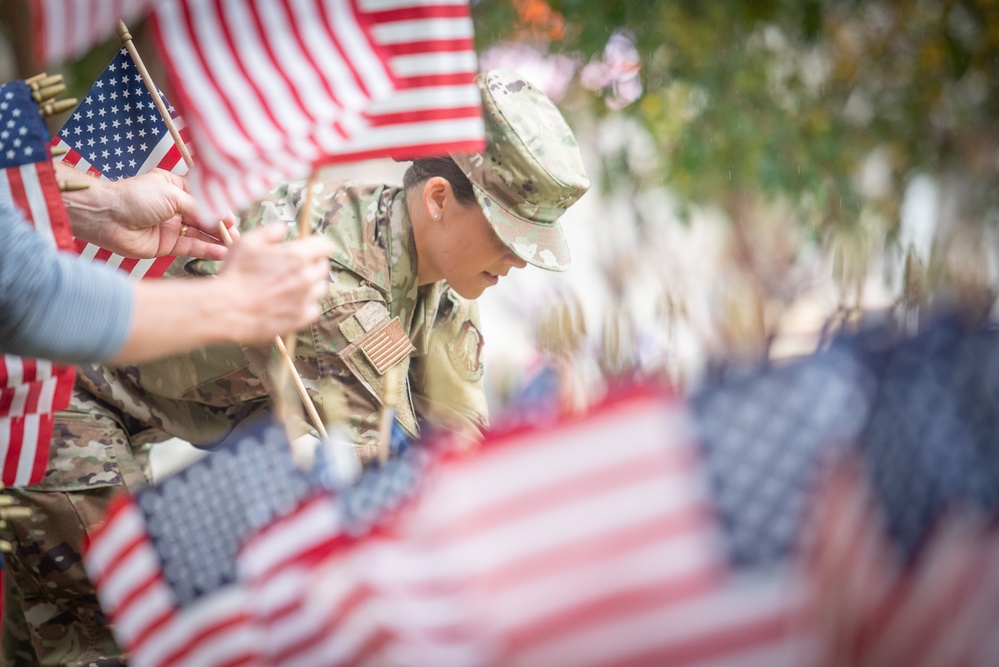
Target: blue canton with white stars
{"points": [[23, 136], [117, 126], [764, 436], [199, 518], [932, 442]]}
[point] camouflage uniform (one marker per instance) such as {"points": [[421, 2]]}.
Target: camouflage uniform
{"points": [[375, 317]]}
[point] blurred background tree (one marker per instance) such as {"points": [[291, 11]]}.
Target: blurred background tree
{"points": [[819, 112]]}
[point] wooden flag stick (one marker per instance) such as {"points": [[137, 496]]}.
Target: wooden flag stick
{"points": [[310, 407], [126, 39]]}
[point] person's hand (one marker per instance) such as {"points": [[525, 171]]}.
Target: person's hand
{"points": [[145, 216], [275, 288]]}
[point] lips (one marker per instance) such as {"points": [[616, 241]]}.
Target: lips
{"points": [[490, 278]]}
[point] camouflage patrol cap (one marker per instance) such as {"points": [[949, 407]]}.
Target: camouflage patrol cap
{"points": [[530, 172]]}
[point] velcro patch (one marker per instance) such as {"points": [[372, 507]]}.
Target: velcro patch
{"points": [[386, 346], [371, 315]]}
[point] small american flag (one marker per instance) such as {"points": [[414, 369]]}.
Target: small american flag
{"points": [[436, 108], [164, 562], [115, 133], [907, 558], [267, 86], [593, 542], [31, 390], [272, 89]]}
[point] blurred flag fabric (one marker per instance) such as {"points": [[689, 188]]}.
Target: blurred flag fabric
{"points": [[273, 88], [164, 561], [907, 550], [68, 29], [591, 542], [116, 132], [838, 509], [181, 567], [31, 390], [269, 87]]}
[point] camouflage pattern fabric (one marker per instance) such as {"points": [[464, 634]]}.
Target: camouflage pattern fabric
{"points": [[51, 614], [530, 172], [201, 395]]}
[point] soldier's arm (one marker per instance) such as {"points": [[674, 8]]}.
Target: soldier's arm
{"points": [[448, 388]]}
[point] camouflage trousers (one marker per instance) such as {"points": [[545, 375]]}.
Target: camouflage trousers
{"points": [[51, 612]]}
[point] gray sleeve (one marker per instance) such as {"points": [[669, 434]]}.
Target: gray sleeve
{"points": [[54, 305]]}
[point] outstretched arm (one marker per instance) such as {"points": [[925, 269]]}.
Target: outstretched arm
{"points": [[264, 289]]}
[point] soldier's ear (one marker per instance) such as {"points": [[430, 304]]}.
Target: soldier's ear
{"points": [[436, 192]]}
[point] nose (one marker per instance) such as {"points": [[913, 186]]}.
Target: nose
{"points": [[515, 261]]}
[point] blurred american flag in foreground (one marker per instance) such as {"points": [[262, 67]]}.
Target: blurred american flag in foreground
{"points": [[834, 510]]}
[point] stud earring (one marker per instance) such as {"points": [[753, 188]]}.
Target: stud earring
{"points": [[437, 216]]}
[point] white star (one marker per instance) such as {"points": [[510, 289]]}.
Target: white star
{"points": [[17, 143], [117, 151], [142, 132], [103, 126], [101, 111], [90, 141], [112, 66], [114, 109], [23, 130], [90, 128], [99, 83], [28, 150], [124, 64], [126, 93], [131, 148], [77, 130], [104, 139], [155, 130], [113, 95], [107, 167], [119, 165], [128, 120], [4, 134], [3, 106], [131, 163], [128, 135], [86, 100], [115, 123], [15, 113], [11, 154], [142, 147], [117, 138], [90, 113], [104, 154]]}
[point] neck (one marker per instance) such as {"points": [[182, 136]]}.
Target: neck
{"points": [[426, 273]]}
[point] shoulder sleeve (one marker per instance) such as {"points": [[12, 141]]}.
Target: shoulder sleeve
{"points": [[448, 387], [54, 305]]}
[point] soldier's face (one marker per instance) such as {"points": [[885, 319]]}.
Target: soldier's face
{"points": [[471, 257]]}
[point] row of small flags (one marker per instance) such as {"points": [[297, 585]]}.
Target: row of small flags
{"points": [[269, 90], [836, 510]]}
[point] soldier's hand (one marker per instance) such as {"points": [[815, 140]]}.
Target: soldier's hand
{"points": [[276, 286]]}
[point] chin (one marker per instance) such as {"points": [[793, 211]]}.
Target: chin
{"points": [[467, 292]]}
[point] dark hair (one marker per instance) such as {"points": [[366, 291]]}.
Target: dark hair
{"points": [[445, 167]]}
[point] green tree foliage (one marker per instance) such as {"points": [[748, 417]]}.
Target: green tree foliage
{"points": [[789, 99]]}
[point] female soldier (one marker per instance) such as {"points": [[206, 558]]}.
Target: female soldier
{"points": [[407, 262]]}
